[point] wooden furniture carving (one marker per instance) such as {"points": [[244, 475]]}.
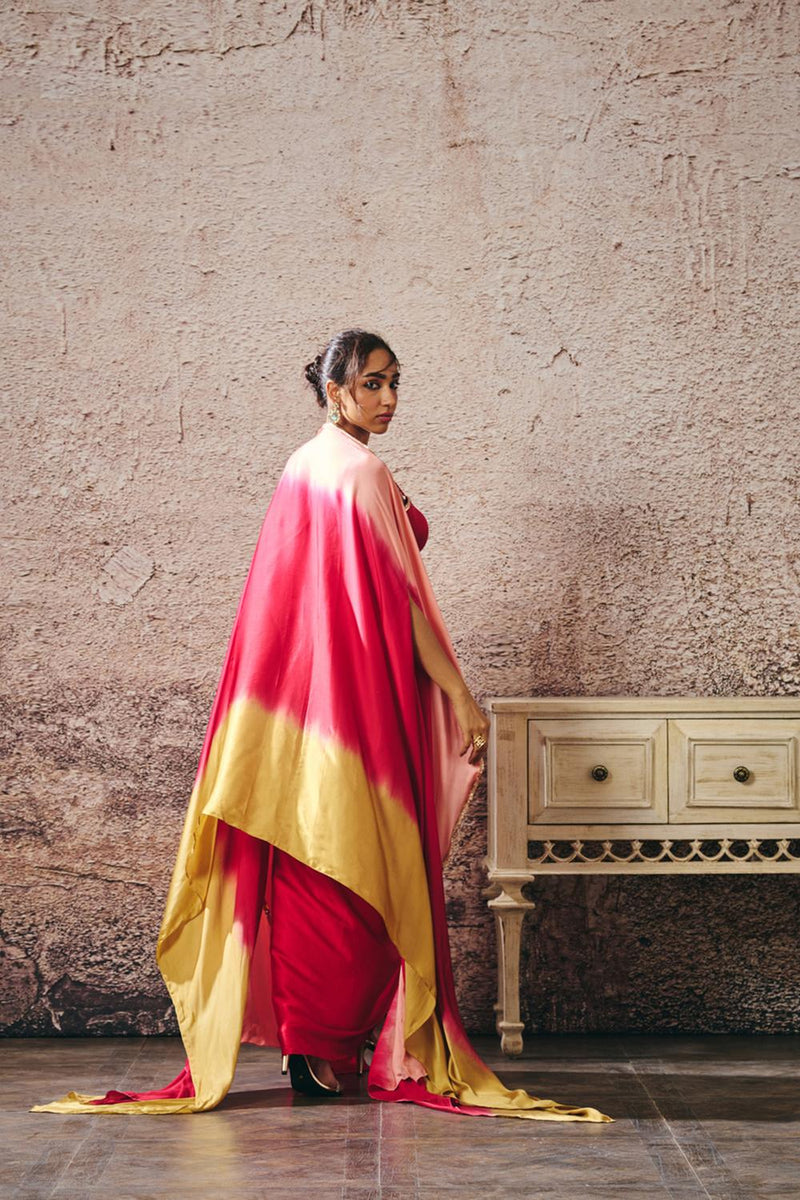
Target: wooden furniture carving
{"points": [[634, 785]]}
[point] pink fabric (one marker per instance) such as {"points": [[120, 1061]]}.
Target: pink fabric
{"points": [[323, 969], [374, 568], [180, 1087], [302, 664], [413, 1091]]}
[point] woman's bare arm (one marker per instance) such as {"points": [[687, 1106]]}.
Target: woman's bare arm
{"points": [[432, 656], [437, 664]]}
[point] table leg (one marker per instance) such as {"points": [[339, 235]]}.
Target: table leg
{"points": [[510, 908]]}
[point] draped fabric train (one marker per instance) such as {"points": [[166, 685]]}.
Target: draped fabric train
{"points": [[330, 776]]}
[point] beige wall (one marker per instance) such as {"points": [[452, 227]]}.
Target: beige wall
{"points": [[576, 223]]}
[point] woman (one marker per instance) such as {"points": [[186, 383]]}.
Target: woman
{"points": [[306, 905]]}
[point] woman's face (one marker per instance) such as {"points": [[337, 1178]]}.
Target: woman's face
{"points": [[369, 406]]}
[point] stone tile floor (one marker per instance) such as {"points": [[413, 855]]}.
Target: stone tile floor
{"points": [[712, 1116]]}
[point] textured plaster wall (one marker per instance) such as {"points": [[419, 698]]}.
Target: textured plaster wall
{"points": [[577, 224]]}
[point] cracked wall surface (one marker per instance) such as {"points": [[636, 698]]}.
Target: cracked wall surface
{"points": [[577, 225]]}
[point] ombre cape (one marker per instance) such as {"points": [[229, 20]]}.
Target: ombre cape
{"points": [[328, 741]]}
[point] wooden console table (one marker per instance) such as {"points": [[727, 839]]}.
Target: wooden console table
{"points": [[632, 785]]}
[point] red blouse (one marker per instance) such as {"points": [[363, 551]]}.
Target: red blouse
{"points": [[419, 523]]}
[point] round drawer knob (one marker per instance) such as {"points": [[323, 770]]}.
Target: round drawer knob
{"points": [[600, 773], [741, 774]]}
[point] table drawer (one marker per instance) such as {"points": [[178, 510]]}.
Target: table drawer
{"points": [[597, 771], [731, 770]]}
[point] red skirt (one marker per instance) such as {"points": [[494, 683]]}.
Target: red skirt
{"points": [[334, 968]]}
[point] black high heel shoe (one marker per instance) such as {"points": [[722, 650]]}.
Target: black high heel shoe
{"points": [[362, 1066], [303, 1078]]}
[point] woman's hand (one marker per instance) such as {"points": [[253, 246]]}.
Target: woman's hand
{"points": [[473, 721]]}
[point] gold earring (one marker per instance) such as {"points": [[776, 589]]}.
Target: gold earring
{"points": [[333, 412]]}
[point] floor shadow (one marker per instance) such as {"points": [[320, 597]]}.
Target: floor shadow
{"points": [[285, 1097], [642, 1095], [628, 1095]]}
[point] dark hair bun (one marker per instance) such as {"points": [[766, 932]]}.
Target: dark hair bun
{"points": [[312, 371]]}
